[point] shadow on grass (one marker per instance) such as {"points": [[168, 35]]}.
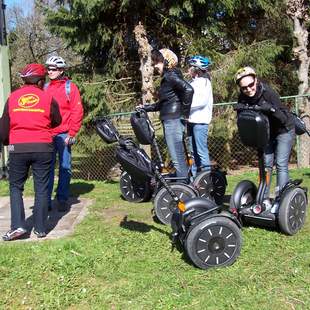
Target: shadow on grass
{"points": [[54, 216], [140, 227], [144, 228], [80, 188]]}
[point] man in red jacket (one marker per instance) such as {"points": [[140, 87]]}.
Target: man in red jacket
{"points": [[68, 96], [26, 126]]}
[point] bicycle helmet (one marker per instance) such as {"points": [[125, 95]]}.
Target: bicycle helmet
{"points": [[32, 73], [242, 72], [171, 59], [200, 62], [56, 61]]}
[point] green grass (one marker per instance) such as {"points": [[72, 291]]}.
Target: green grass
{"points": [[119, 258]]}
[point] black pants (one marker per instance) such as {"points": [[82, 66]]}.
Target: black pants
{"points": [[19, 164]]}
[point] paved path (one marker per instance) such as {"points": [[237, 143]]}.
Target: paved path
{"points": [[59, 224]]}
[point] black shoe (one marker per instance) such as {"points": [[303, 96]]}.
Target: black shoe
{"points": [[14, 234], [62, 206], [40, 234]]}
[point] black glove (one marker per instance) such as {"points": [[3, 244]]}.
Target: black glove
{"points": [[239, 107], [266, 107]]}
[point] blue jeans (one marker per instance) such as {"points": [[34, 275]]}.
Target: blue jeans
{"points": [[19, 164], [174, 131], [64, 156], [199, 144], [279, 150]]}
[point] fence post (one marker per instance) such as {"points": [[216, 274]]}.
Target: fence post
{"points": [[298, 150]]}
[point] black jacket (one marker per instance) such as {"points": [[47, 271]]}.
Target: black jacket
{"points": [[280, 120], [175, 96]]}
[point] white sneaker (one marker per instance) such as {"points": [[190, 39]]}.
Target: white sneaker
{"points": [[267, 204]]}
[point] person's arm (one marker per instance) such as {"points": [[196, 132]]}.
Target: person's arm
{"points": [[55, 115], [185, 92], [5, 125], [280, 112], [76, 111]]}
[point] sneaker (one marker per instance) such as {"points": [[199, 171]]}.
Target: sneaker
{"points": [[40, 234], [14, 234], [267, 203]]}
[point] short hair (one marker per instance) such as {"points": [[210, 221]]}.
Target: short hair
{"points": [[157, 56], [201, 73]]}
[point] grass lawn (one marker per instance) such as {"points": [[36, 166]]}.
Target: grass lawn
{"points": [[119, 258]]}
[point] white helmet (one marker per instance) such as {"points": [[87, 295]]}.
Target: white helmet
{"points": [[242, 72], [56, 61]]}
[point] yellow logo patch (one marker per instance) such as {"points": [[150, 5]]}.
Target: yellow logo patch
{"points": [[28, 101]]}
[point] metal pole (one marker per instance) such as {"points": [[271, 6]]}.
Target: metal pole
{"points": [[5, 81], [3, 38]]}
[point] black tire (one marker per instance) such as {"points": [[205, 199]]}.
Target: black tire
{"points": [[162, 201], [134, 191], [211, 185], [244, 195], [214, 242], [292, 211]]}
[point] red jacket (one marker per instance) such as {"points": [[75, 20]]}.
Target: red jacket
{"points": [[27, 120], [71, 108]]}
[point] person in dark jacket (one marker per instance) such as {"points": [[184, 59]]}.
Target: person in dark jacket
{"points": [[282, 131], [175, 98], [26, 127]]}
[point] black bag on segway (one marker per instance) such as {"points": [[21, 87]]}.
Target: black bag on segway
{"points": [[253, 127], [134, 160], [300, 125], [106, 130], [142, 127]]}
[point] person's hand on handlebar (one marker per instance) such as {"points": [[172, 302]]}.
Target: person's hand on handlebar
{"points": [[264, 107], [240, 107]]}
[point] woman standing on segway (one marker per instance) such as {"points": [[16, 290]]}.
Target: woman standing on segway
{"points": [[201, 111], [282, 133], [175, 98]]}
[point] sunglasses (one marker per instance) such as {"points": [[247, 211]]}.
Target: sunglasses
{"points": [[247, 86], [52, 69]]}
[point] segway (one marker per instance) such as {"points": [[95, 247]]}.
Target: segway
{"points": [[211, 185], [288, 209], [209, 237], [132, 189]]}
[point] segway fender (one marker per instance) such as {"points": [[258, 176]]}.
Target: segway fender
{"points": [[241, 188], [197, 208], [231, 217]]}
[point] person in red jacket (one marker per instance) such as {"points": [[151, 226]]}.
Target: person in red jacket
{"points": [[26, 127], [68, 96]]}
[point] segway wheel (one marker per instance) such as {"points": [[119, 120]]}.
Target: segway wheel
{"points": [[214, 242], [162, 202], [292, 211], [243, 196], [134, 191], [211, 185]]}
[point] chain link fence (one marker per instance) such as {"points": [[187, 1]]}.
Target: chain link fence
{"points": [[226, 150]]}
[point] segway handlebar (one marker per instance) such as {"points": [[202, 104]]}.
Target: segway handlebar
{"points": [[258, 108]]}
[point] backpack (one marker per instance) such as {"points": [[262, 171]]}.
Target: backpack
{"points": [[300, 125], [67, 88], [142, 127], [134, 160]]}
